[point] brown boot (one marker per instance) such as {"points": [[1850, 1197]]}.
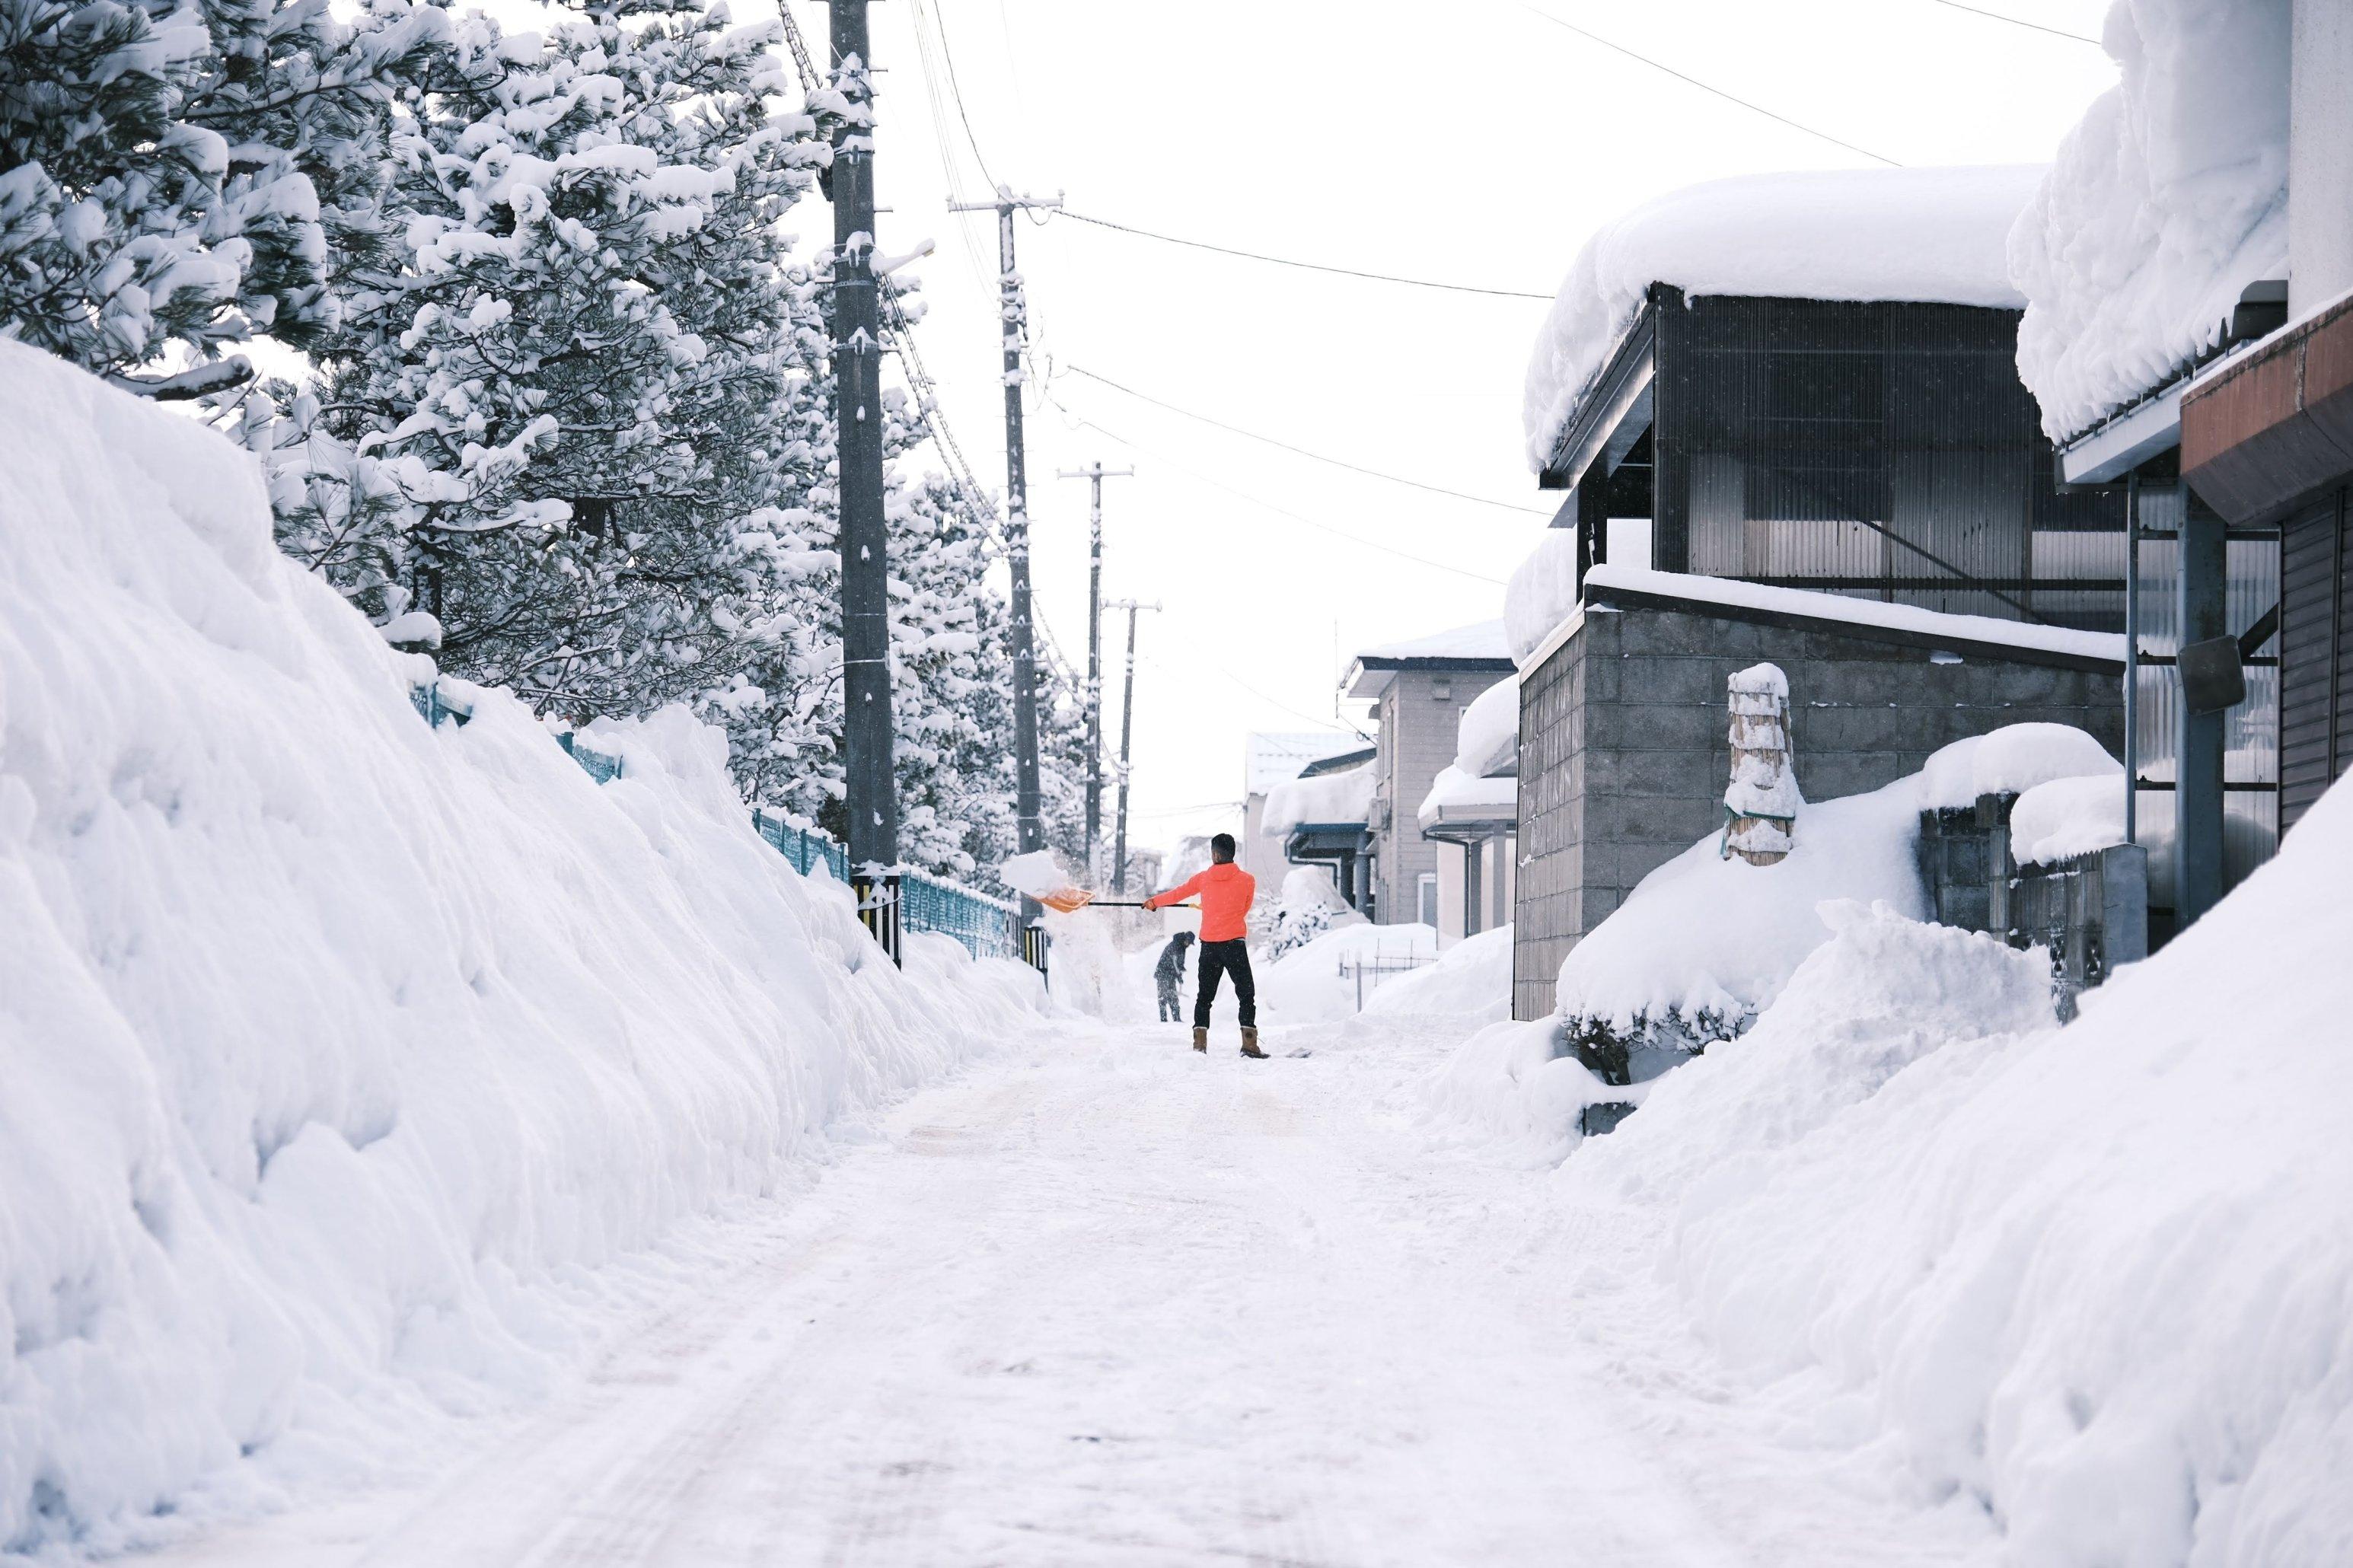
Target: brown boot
{"points": [[1200, 1039], [1250, 1043]]}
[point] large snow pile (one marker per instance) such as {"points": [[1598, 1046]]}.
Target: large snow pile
{"points": [[1320, 980], [2093, 1280], [328, 1039], [1704, 940], [1473, 979], [1309, 905], [2166, 200], [1935, 235], [1342, 797]]}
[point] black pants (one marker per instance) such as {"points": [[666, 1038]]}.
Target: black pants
{"points": [[1169, 1011], [1225, 958]]}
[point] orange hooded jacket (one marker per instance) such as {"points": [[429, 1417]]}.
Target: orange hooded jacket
{"points": [[1226, 892]]}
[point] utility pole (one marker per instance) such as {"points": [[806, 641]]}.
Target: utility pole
{"points": [[870, 785], [1126, 732], [1095, 475], [1013, 311]]}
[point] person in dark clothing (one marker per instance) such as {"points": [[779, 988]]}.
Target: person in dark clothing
{"points": [[1170, 974], [1226, 891]]}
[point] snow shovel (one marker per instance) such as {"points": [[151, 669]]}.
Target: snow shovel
{"points": [[1071, 901]]}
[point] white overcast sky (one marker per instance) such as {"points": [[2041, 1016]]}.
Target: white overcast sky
{"points": [[1472, 141]]}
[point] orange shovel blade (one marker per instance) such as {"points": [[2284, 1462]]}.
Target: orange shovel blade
{"points": [[1068, 901]]}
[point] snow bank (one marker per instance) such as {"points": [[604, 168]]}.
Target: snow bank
{"points": [[1935, 235], [1473, 979], [2094, 1280], [1487, 740], [1341, 797], [1510, 1088], [1541, 594], [330, 1040], [1708, 940], [2165, 202], [1310, 984]]}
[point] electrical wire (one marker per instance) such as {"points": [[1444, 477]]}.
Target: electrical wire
{"points": [[1080, 420], [1304, 266], [2021, 22], [1304, 452], [947, 53], [1704, 86]]}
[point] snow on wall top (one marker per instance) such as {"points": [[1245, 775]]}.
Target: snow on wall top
{"points": [[1330, 797], [1859, 612], [1483, 640], [1271, 758], [2165, 202], [1936, 236]]}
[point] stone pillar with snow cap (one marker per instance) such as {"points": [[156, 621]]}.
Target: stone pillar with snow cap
{"points": [[1760, 805]]}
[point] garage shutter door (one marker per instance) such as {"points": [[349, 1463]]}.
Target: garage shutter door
{"points": [[2316, 655]]}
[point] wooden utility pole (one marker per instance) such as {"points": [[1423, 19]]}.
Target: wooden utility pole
{"points": [[1013, 311], [1095, 475], [869, 794], [1126, 732]]}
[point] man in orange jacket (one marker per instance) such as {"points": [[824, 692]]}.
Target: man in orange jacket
{"points": [[1226, 892]]}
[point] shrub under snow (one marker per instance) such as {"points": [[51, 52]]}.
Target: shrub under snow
{"points": [[328, 1039]]}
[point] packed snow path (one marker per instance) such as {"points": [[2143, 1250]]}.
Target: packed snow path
{"points": [[1103, 1300]]}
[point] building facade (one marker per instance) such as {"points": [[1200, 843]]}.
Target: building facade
{"points": [[1419, 691]]}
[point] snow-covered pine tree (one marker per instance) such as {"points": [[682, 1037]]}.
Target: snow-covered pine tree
{"points": [[559, 417], [176, 178]]}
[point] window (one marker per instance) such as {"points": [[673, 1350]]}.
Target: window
{"points": [[1442, 690], [1425, 889]]}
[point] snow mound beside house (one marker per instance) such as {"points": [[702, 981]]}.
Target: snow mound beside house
{"points": [[2165, 202], [1319, 982], [1473, 979], [1932, 235], [1705, 942], [2093, 1280], [1510, 1089], [334, 1044]]}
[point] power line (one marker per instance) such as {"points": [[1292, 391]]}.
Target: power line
{"points": [[2021, 22], [947, 53], [1281, 511], [1704, 86], [1301, 451], [1304, 266]]}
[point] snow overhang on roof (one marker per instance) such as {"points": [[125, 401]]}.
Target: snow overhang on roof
{"points": [[1479, 646], [1934, 236], [2166, 201], [1328, 800], [1458, 800], [1273, 758]]}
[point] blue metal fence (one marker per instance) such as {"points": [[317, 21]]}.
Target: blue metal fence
{"points": [[988, 927]]}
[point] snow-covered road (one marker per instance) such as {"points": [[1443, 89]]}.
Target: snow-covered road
{"points": [[1101, 1300]]}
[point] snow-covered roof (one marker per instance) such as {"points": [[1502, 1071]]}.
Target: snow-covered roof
{"points": [[1487, 740], [1807, 603], [1483, 640], [1930, 235], [2165, 202], [1342, 798], [1456, 796], [1270, 758]]}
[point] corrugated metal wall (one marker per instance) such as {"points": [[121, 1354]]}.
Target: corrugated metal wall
{"points": [[1884, 450], [2316, 650]]}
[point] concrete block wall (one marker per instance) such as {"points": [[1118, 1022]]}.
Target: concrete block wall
{"points": [[1624, 752]]}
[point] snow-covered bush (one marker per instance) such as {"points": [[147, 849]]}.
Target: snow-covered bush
{"points": [[330, 1041], [1309, 907]]}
